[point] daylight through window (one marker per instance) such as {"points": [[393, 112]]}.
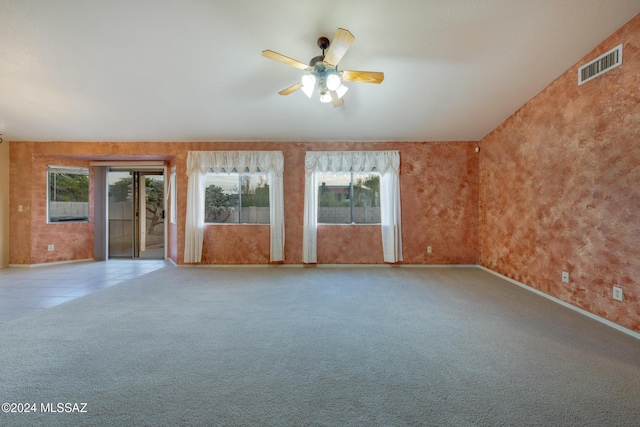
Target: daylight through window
{"points": [[67, 194], [349, 198], [240, 198]]}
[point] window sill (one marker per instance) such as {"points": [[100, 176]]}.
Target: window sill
{"points": [[234, 223], [349, 223]]}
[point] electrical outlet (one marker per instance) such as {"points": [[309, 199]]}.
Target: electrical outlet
{"points": [[617, 293], [50, 248], [428, 249], [565, 276]]}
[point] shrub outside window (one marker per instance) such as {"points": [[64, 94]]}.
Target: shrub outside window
{"points": [[349, 198], [237, 198], [67, 194]]}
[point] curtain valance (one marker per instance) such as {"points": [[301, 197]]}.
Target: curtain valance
{"points": [[241, 161], [356, 161]]}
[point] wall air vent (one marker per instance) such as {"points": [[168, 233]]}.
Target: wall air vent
{"points": [[600, 65]]}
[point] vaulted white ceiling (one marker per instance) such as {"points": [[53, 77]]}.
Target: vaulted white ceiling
{"points": [[192, 70]]}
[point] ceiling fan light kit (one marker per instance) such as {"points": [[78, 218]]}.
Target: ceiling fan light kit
{"points": [[322, 71]]}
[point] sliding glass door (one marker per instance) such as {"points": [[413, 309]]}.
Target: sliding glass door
{"points": [[136, 214]]}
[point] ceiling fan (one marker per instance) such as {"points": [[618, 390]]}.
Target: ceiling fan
{"points": [[322, 70]]}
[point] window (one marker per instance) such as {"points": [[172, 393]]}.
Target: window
{"points": [[268, 164], [67, 194], [240, 198], [349, 198], [362, 167]]}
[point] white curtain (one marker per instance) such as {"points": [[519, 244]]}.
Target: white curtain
{"points": [[386, 163], [310, 220], [201, 162], [276, 211]]}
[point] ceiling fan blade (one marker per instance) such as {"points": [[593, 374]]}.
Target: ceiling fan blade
{"points": [[338, 47], [363, 76], [335, 99], [284, 59], [290, 89]]}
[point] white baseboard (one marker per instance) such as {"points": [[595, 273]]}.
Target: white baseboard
{"points": [[438, 265], [326, 265], [565, 304], [391, 265], [237, 265]]}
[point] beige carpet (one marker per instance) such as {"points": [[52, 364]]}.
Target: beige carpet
{"points": [[319, 347]]}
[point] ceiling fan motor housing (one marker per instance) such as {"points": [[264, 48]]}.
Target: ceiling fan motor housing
{"points": [[323, 43]]}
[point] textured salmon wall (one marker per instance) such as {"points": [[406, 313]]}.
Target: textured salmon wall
{"points": [[20, 187], [349, 244], [439, 191], [72, 241], [236, 244], [29, 233], [560, 188], [4, 204]]}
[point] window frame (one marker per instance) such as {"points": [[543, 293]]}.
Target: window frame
{"points": [[85, 171], [235, 172], [351, 200]]}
